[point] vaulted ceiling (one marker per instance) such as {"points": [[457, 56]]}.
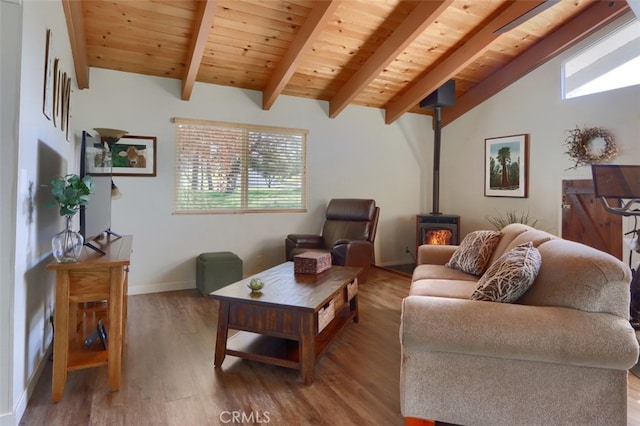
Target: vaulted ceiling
{"points": [[387, 54]]}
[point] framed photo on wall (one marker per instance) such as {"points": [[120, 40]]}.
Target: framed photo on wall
{"points": [[47, 95], [506, 166], [134, 156]]}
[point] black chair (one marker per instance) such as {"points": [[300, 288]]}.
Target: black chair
{"points": [[348, 234]]}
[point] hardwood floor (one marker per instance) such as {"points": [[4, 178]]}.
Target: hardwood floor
{"points": [[168, 376]]}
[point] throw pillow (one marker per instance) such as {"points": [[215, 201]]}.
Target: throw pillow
{"points": [[474, 252], [510, 276]]}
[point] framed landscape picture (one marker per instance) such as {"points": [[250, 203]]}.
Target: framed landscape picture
{"points": [[134, 156], [506, 166]]}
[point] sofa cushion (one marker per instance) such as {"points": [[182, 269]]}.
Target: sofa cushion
{"points": [[509, 233], [536, 236], [440, 272], [457, 289], [509, 277], [474, 252]]}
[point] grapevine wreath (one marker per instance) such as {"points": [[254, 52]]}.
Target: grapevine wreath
{"points": [[580, 149]]}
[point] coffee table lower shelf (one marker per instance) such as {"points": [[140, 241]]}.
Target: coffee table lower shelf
{"points": [[285, 352]]}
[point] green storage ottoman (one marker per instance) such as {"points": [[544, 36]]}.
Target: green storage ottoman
{"points": [[216, 270]]}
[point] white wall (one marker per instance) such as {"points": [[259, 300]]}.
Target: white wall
{"points": [[34, 146], [10, 35], [355, 155], [532, 105]]}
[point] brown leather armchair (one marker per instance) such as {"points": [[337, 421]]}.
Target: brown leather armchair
{"points": [[348, 234]]}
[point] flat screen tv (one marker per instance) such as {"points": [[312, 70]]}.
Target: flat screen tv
{"points": [[616, 181], [95, 161]]}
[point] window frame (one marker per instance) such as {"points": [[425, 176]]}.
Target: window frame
{"points": [[597, 67]]}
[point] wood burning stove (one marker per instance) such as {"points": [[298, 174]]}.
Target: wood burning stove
{"points": [[437, 229]]}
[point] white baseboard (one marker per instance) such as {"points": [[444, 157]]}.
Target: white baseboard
{"points": [[8, 419], [14, 417]]}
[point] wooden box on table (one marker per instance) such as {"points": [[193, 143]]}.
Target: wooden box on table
{"points": [[311, 262]]}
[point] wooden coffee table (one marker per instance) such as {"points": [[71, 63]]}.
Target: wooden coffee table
{"points": [[292, 321]]}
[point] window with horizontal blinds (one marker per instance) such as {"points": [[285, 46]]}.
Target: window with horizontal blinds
{"points": [[230, 167]]}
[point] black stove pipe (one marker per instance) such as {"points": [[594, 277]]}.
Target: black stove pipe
{"points": [[437, 127], [444, 96]]}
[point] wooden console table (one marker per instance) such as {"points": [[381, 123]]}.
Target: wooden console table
{"points": [[96, 283]]}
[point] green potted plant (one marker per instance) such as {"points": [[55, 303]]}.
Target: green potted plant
{"points": [[70, 193]]}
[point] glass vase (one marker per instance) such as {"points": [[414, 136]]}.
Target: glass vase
{"points": [[67, 245]]}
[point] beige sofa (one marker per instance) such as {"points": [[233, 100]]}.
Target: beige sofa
{"points": [[557, 356]]}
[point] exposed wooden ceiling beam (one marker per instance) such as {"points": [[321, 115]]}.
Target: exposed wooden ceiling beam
{"points": [[201, 31], [418, 20], [591, 20], [75, 28], [456, 61], [318, 17]]}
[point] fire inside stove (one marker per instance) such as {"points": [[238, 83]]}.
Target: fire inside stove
{"points": [[438, 236]]}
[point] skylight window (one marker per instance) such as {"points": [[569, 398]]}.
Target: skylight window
{"points": [[611, 63]]}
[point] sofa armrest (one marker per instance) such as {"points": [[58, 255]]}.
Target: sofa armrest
{"points": [[512, 331], [435, 254], [353, 252], [309, 241]]}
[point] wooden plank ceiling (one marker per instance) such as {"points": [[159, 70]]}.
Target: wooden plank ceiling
{"points": [[386, 54]]}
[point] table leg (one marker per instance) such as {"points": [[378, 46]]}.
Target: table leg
{"points": [[61, 337], [354, 307], [307, 348], [114, 348], [125, 292], [221, 334]]}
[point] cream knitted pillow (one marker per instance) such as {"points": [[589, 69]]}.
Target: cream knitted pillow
{"points": [[474, 252], [509, 277]]}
